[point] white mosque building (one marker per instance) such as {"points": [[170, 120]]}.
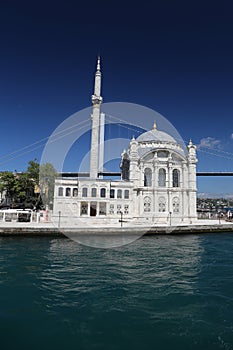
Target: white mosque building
{"points": [[157, 185]]}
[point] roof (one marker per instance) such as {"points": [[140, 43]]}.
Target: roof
{"points": [[161, 138], [155, 135]]}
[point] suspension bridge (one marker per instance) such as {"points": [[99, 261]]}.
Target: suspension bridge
{"points": [[117, 174]]}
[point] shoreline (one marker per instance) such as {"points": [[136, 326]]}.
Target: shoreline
{"points": [[49, 229]]}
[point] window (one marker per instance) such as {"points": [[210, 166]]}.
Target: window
{"points": [[84, 208], [111, 209], [126, 194], [118, 208], [147, 204], [93, 192], [162, 177], [162, 204], [147, 177], [102, 209], [119, 193], [112, 193], [162, 154], [60, 191], [176, 178], [93, 209], [176, 205], [84, 192], [68, 191], [126, 209], [75, 192], [103, 192]]}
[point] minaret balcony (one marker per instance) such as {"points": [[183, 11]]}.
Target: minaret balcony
{"points": [[96, 99]]}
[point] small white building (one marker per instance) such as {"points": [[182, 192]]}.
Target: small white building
{"points": [[158, 180]]}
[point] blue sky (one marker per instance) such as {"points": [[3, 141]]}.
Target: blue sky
{"points": [[173, 57]]}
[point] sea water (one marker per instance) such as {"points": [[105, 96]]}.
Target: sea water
{"points": [[159, 292]]}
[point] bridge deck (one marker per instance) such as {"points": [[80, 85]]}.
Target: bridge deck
{"points": [[115, 174]]}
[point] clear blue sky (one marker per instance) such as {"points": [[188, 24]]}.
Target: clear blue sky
{"points": [[172, 56]]}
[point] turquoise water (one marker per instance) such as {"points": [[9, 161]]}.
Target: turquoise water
{"points": [[157, 293]]}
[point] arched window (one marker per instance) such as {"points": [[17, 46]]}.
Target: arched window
{"points": [[147, 204], [75, 192], [147, 177], [84, 208], [68, 191], [84, 192], [126, 209], [119, 193], [111, 209], [118, 208], [112, 193], [162, 177], [126, 194], [176, 178], [60, 191], [162, 204], [93, 192], [176, 205], [103, 192]]}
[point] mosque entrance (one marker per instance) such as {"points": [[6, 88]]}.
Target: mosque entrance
{"points": [[93, 209]]}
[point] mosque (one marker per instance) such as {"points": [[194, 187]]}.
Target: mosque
{"points": [[157, 185]]}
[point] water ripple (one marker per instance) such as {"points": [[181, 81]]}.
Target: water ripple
{"points": [[165, 290]]}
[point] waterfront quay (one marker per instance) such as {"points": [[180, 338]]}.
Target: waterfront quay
{"points": [[50, 230]]}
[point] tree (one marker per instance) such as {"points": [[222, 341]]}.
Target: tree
{"points": [[47, 178], [33, 171], [25, 187], [8, 184], [18, 189], [29, 188]]}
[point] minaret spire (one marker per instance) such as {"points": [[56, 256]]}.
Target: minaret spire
{"points": [[98, 64], [96, 97], [95, 118]]}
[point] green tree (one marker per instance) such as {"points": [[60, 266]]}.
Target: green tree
{"points": [[29, 188], [8, 184], [33, 171], [18, 189], [47, 178], [25, 187]]}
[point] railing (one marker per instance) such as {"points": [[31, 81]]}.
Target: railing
{"points": [[23, 215]]}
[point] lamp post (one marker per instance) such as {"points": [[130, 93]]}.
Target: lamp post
{"points": [[121, 220], [59, 218], [47, 193]]}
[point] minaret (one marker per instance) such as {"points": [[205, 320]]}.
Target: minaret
{"points": [[95, 118], [192, 180]]}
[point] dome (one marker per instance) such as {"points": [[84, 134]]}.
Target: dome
{"points": [[155, 135]]}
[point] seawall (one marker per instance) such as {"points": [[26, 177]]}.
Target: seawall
{"points": [[24, 230]]}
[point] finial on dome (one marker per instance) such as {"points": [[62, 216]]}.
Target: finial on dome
{"points": [[154, 126]]}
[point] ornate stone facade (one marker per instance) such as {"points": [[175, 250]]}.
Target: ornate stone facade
{"points": [[158, 181]]}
